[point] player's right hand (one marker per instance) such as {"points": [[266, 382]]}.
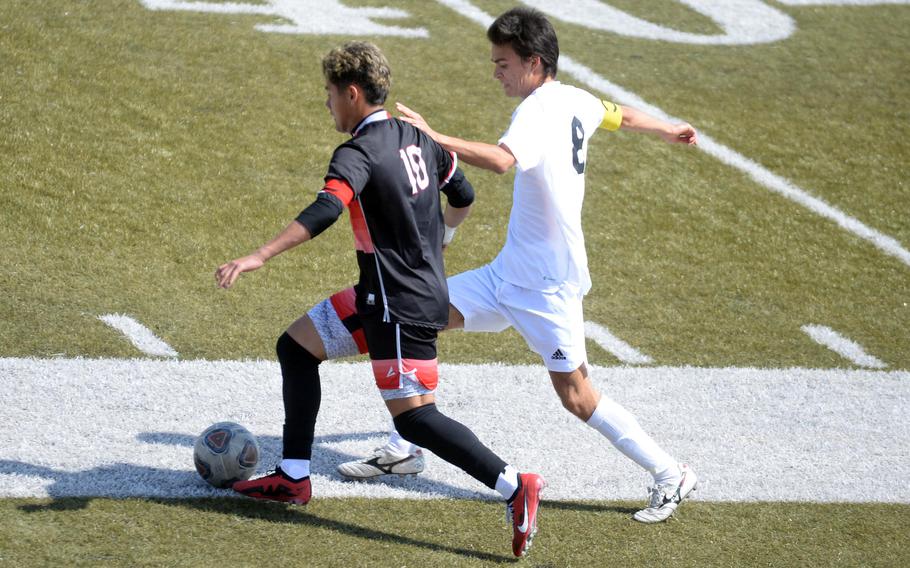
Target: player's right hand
{"points": [[414, 118], [228, 273]]}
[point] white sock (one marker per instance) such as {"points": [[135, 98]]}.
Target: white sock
{"points": [[670, 476], [296, 469], [622, 429], [507, 483], [400, 445]]}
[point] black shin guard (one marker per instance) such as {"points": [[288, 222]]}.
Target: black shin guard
{"points": [[302, 394], [450, 440]]}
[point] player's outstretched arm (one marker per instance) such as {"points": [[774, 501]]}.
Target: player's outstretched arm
{"points": [[292, 235], [478, 154], [638, 121]]}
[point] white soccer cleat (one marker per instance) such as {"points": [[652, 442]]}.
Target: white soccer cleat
{"points": [[383, 461], [665, 498]]}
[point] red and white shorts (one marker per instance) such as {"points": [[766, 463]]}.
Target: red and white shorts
{"points": [[403, 356]]}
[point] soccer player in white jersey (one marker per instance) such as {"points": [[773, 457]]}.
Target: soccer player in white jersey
{"points": [[537, 282]]}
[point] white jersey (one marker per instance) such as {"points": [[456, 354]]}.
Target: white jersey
{"points": [[548, 136]]}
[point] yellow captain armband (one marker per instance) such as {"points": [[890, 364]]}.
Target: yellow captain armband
{"points": [[612, 117]]}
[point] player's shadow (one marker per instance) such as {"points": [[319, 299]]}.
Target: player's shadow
{"points": [[281, 513], [587, 507], [68, 489], [129, 480], [326, 459]]}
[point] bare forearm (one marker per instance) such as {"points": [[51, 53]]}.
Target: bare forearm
{"points": [[638, 121], [291, 236], [478, 154], [454, 216]]}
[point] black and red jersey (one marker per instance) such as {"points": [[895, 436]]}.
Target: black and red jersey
{"points": [[390, 174]]}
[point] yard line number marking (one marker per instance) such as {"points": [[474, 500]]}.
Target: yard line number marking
{"points": [[742, 21], [759, 173]]}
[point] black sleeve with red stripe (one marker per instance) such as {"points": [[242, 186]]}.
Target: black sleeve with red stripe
{"points": [[459, 191], [331, 201], [319, 215]]}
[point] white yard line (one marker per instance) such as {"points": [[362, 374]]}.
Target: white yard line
{"points": [[754, 170], [77, 427], [614, 345], [844, 347], [140, 336], [841, 2], [757, 172]]}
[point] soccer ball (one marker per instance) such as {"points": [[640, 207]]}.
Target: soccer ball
{"points": [[224, 453]]}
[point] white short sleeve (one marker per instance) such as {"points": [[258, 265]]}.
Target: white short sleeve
{"points": [[524, 134]]}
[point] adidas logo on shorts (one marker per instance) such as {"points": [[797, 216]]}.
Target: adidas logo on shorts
{"points": [[558, 355]]}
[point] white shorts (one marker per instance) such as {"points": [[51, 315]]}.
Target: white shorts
{"points": [[552, 323]]}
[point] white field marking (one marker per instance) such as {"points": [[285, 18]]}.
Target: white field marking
{"points": [[732, 158], [619, 348], [115, 427], [844, 347], [841, 2], [743, 22], [308, 16], [140, 336], [757, 172]]}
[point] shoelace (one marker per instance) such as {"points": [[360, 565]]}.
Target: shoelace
{"points": [[658, 495]]}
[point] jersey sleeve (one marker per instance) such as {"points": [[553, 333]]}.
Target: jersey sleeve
{"points": [[446, 164], [525, 138], [351, 164]]}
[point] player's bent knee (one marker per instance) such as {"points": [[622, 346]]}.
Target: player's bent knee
{"points": [[291, 353], [304, 332], [412, 423]]}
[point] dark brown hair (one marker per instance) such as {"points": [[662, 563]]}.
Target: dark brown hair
{"points": [[359, 63], [529, 33]]}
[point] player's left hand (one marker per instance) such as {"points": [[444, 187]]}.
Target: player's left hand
{"points": [[682, 133], [228, 273]]}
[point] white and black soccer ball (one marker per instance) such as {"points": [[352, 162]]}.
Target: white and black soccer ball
{"points": [[224, 453]]}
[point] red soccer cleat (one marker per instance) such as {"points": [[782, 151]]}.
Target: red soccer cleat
{"points": [[522, 511], [277, 486]]}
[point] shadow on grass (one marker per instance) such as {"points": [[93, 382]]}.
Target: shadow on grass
{"points": [[587, 507], [274, 512], [281, 513], [68, 490]]}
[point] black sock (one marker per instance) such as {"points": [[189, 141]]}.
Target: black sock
{"points": [[302, 394], [450, 440]]}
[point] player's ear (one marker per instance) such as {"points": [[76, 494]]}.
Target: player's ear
{"points": [[353, 92]]}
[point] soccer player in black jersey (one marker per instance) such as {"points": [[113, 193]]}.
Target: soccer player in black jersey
{"points": [[389, 175]]}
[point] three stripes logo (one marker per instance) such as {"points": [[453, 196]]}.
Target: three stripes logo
{"points": [[558, 355]]}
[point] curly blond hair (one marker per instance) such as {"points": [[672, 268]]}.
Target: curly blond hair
{"points": [[359, 63]]}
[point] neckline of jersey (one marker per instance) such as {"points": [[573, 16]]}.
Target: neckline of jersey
{"points": [[544, 85], [374, 116]]}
